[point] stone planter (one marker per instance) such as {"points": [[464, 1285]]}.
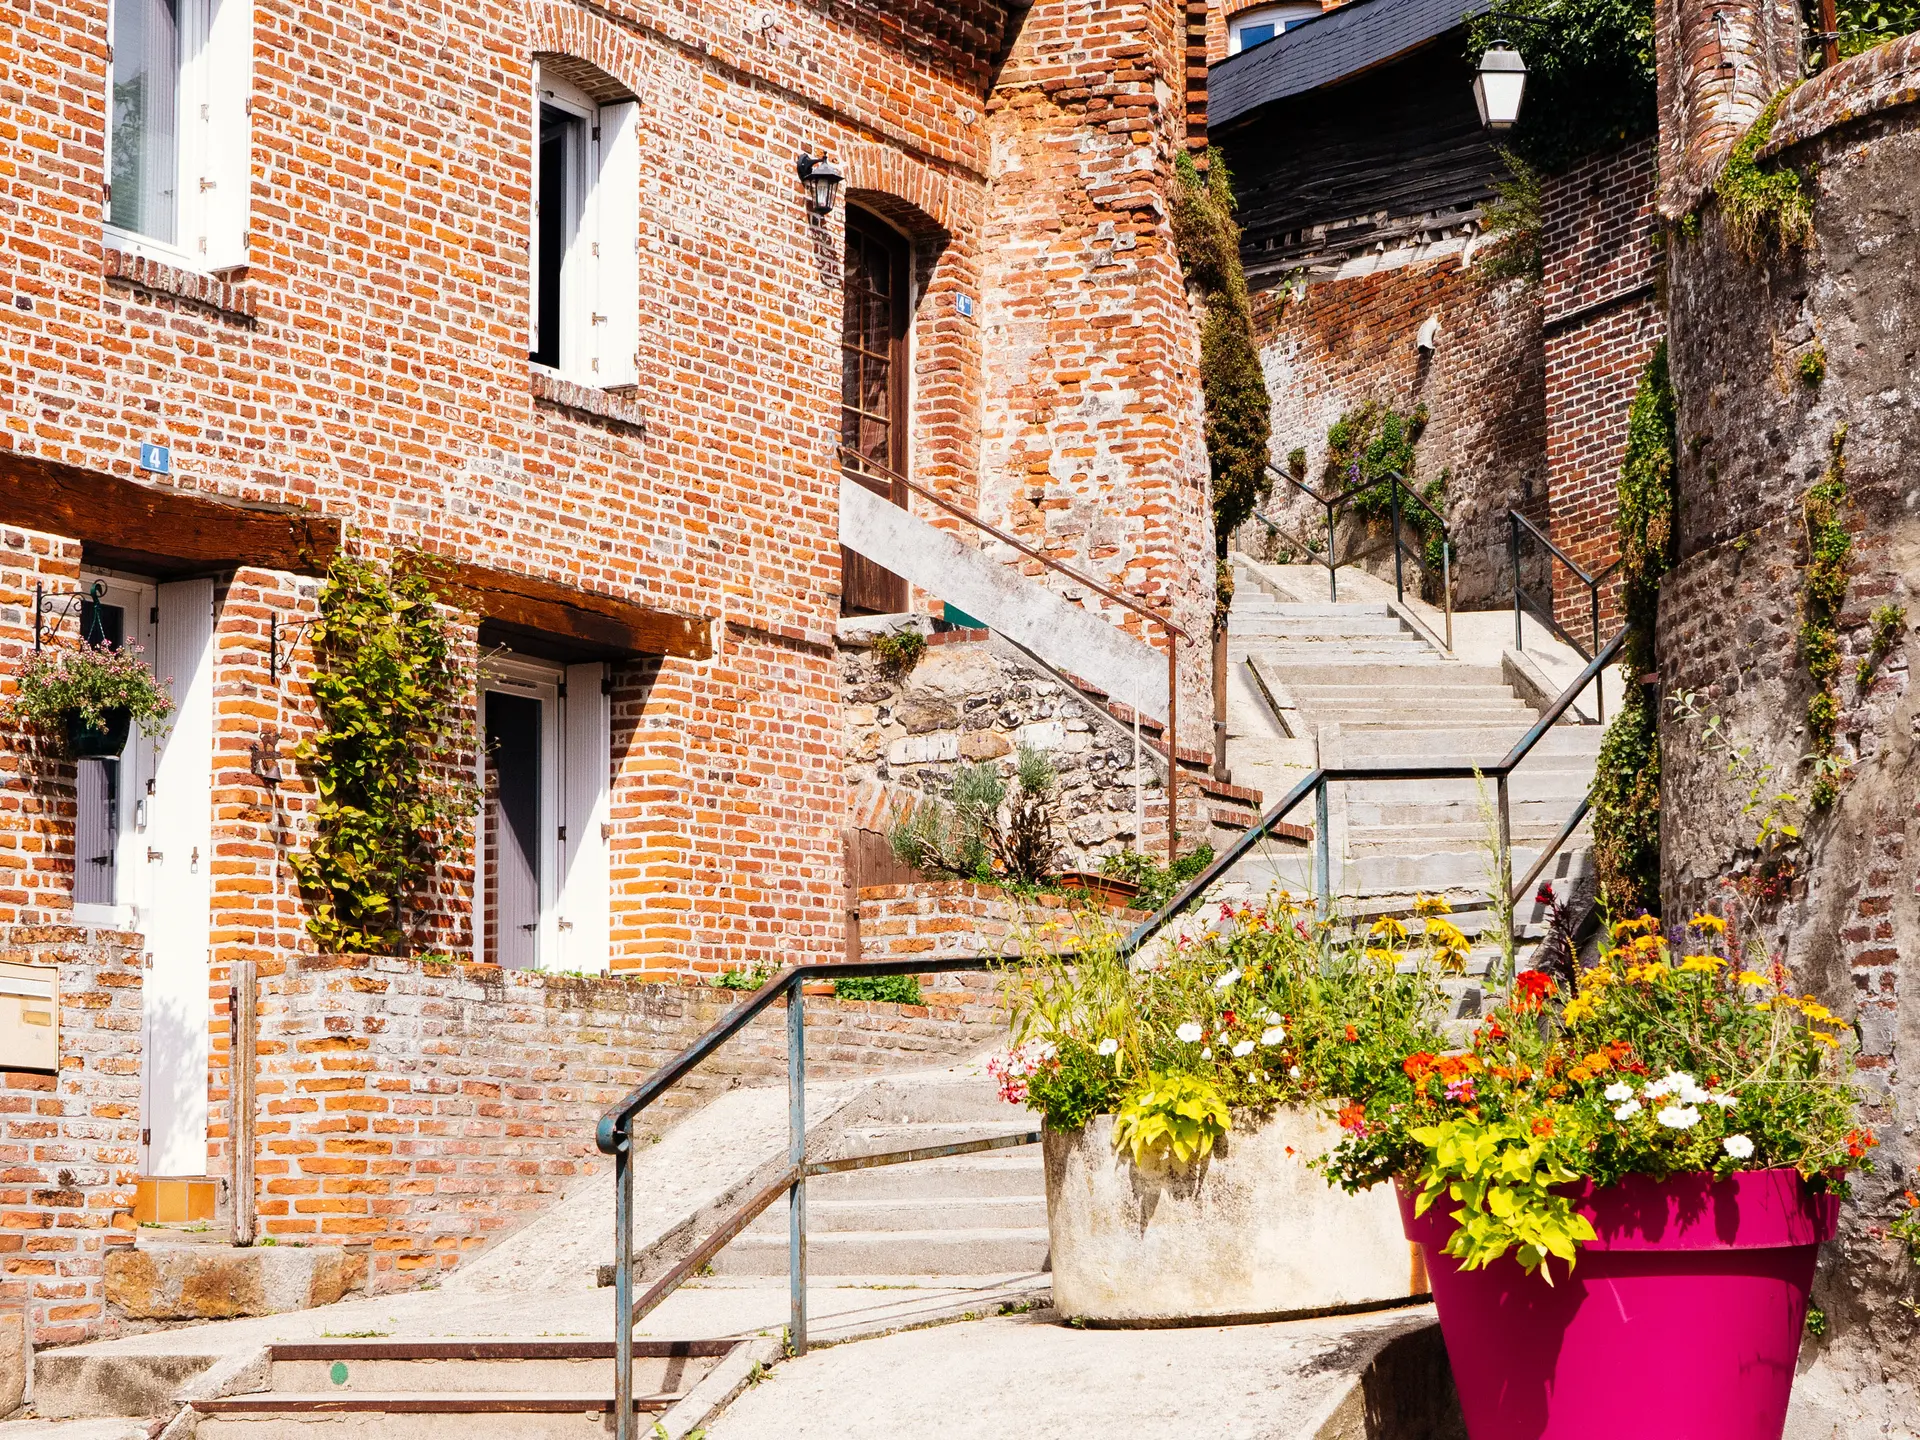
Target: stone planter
{"points": [[1249, 1233]]}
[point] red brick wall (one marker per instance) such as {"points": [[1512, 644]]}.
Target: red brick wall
{"points": [[1602, 320], [938, 919], [1335, 344]]}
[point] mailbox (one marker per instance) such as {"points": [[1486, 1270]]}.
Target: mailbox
{"points": [[29, 1010]]}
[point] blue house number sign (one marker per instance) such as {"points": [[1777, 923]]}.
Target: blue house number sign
{"points": [[157, 458]]}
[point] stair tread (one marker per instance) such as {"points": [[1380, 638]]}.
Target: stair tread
{"points": [[425, 1402]]}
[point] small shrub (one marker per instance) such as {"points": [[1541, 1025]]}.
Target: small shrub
{"points": [[986, 829], [898, 654], [1887, 622], [741, 979], [893, 989], [1764, 208], [1823, 593], [1514, 222], [1812, 366]]}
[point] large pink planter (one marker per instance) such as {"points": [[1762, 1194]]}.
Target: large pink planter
{"points": [[1681, 1322]]}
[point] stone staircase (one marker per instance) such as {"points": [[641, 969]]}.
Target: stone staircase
{"points": [[1357, 683]]}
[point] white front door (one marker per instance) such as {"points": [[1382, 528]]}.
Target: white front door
{"points": [[585, 820], [173, 898]]}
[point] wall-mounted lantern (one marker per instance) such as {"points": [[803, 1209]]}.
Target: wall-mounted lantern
{"points": [[1498, 86], [821, 177]]}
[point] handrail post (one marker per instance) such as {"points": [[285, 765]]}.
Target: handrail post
{"points": [[797, 1156], [1599, 680], [1504, 901], [1333, 578], [1399, 578], [623, 1285], [1446, 582], [1322, 852], [1173, 747], [1513, 558]]}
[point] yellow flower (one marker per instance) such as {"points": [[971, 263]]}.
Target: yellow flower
{"points": [[1579, 1008], [1446, 934], [1753, 977], [1375, 952], [1596, 978], [1431, 905], [1388, 926], [1703, 964], [1647, 974], [1814, 1010], [1709, 922], [1641, 925]]}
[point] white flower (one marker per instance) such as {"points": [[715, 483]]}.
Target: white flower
{"points": [[1738, 1146], [1207, 1054], [1679, 1117], [1273, 1035], [1725, 1102], [1243, 1049], [1627, 1111], [1107, 1046], [1682, 1086], [1187, 1033], [1257, 1076], [1226, 980], [1294, 1073], [1619, 1091]]}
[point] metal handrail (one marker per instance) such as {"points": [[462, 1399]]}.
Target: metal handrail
{"points": [[1398, 485], [883, 472], [614, 1133], [1518, 523]]}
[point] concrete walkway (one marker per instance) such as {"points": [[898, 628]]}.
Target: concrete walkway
{"points": [[1030, 1378]]}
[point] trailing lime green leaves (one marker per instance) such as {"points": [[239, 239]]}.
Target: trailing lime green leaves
{"points": [[1239, 414], [1626, 783], [1504, 1174], [1176, 1116], [1823, 592], [1765, 208], [388, 761]]}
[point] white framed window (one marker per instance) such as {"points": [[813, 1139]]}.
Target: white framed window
{"points": [[1264, 22], [179, 80], [585, 234]]}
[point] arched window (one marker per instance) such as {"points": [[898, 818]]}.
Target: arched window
{"points": [[1263, 22], [875, 308]]}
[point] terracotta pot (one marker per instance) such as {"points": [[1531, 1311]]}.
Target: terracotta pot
{"points": [[1682, 1318], [102, 741], [1114, 892]]}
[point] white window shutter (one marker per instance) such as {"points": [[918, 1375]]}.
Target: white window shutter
{"points": [[227, 186], [617, 336], [179, 862], [586, 812]]}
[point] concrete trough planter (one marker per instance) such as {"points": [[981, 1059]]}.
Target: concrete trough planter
{"points": [[1249, 1233]]}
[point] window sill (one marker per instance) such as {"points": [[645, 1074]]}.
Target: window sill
{"points": [[614, 409], [156, 278]]}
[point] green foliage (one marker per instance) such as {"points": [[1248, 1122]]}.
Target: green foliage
{"points": [[751, 979], [1239, 417], [1158, 883], [86, 682], [1812, 366], [1370, 444], [1504, 1174], [1590, 75], [1765, 208], [986, 830], [898, 654], [387, 760], [1887, 621], [1816, 1322], [1514, 221], [1175, 1117], [1822, 594], [1864, 24], [893, 989], [1626, 784]]}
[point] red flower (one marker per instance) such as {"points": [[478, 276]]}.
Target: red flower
{"points": [[1533, 986], [1419, 1067], [1353, 1035], [1543, 1126], [1860, 1141], [1227, 1020], [1353, 1116]]}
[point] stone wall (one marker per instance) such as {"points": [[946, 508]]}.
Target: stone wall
{"points": [[1753, 436], [1329, 346], [1601, 317], [70, 1142], [423, 1109], [939, 920]]}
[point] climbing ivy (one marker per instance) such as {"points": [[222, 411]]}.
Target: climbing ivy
{"points": [[1239, 413], [395, 726], [1590, 74], [1514, 221], [1366, 446], [1764, 207], [1823, 592], [1626, 785]]}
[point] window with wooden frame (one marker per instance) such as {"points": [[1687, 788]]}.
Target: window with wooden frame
{"points": [[874, 392]]}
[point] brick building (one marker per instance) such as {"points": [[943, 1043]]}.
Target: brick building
{"points": [[542, 293]]}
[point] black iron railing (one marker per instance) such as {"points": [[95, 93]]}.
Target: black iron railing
{"points": [[614, 1134], [1399, 492], [1522, 534]]}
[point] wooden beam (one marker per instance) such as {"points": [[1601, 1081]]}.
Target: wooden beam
{"points": [[564, 621], [168, 532]]}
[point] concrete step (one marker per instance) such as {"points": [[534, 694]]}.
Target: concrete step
{"points": [[923, 1213], [1253, 602], [1463, 744], [875, 1138], [1319, 628], [996, 1174], [1009, 1250], [408, 1416], [1418, 712], [1434, 673]]}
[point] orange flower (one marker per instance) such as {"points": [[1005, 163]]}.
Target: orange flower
{"points": [[1543, 1125], [1352, 1034], [1860, 1141], [1353, 1116], [1418, 1067]]}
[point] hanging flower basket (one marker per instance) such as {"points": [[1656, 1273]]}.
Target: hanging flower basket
{"points": [[1683, 1316], [88, 698]]}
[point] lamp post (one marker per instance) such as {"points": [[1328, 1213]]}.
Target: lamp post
{"points": [[821, 177], [1498, 86]]}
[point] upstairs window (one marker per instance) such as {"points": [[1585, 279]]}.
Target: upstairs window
{"points": [[179, 74], [586, 232], [1262, 23]]}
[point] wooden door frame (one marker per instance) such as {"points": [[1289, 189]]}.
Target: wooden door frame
{"points": [[899, 247]]}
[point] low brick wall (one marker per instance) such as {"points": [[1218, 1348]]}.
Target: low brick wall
{"points": [[425, 1109], [70, 1142], [946, 919]]}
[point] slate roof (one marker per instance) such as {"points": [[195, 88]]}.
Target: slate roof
{"points": [[1326, 50]]}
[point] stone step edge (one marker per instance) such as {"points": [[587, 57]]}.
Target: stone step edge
{"points": [[416, 1402]]}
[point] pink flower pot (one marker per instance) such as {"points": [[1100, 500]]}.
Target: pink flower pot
{"points": [[1681, 1321]]}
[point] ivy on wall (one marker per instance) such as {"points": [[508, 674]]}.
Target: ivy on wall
{"points": [[1239, 412], [1823, 592], [386, 761], [1765, 207], [1367, 446], [1626, 783]]}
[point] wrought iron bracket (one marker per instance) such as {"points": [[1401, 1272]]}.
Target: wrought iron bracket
{"points": [[62, 605], [293, 635]]}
